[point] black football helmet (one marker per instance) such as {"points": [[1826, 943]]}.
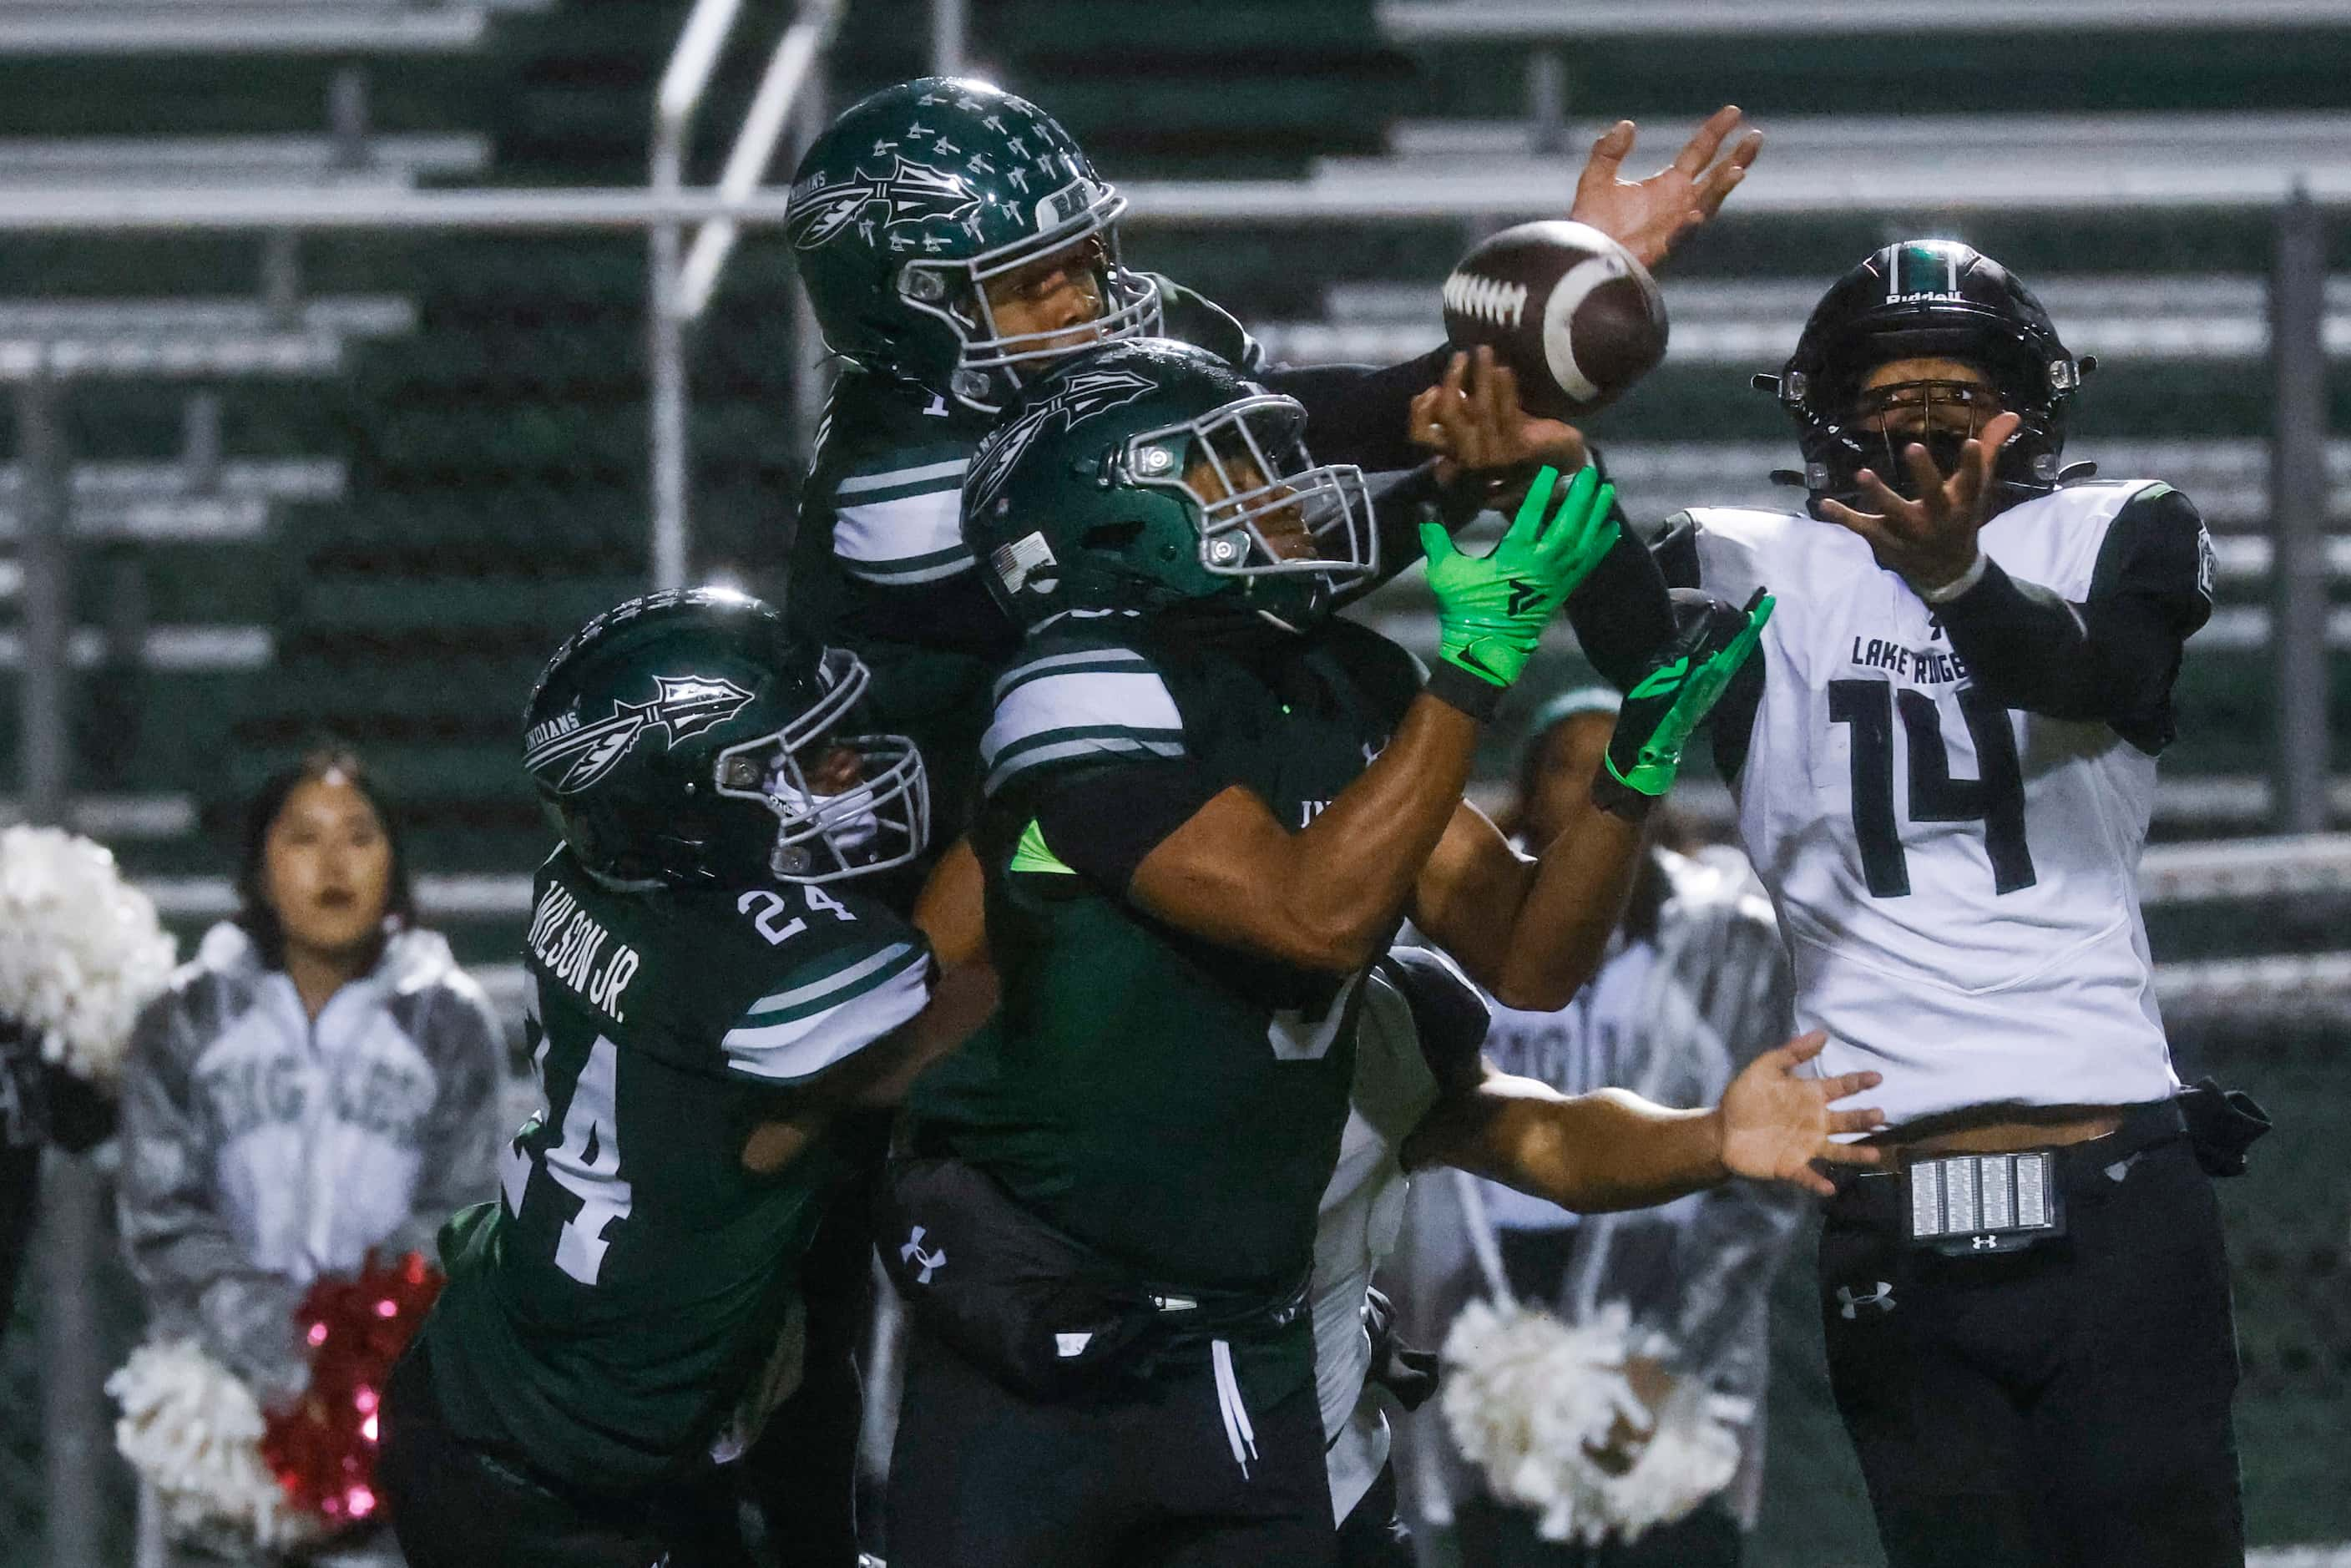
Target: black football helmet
{"points": [[1927, 298], [684, 739]]}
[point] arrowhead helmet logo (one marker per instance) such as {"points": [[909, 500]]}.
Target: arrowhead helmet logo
{"points": [[1079, 398], [683, 707], [911, 195], [914, 1252]]}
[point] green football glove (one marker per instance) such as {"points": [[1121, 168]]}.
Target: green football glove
{"points": [[1685, 681], [1491, 608]]}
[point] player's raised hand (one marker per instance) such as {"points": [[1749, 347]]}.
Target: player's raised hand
{"points": [[1932, 541], [1491, 608], [1648, 216], [1685, 678], [1473, 422], [1775, 1124]]}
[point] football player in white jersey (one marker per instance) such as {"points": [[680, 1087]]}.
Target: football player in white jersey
{"points": [[1943, 767]]}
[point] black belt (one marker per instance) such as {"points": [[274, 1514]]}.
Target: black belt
{"points": [[1966, 1203]]}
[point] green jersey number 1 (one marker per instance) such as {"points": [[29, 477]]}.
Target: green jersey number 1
{"points": [[586, 1164]]}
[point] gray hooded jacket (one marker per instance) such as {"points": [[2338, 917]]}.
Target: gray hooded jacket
{"points": [[1674, 1018], [262, 1149]]}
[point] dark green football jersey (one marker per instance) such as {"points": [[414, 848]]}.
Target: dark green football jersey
{"points": [[603, 1318], [878, 565], [1176, 1103]]}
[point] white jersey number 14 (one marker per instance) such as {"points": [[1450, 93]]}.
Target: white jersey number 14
{"points": [[1994, 797]]}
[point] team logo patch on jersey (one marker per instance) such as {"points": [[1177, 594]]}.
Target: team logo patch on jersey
{"points": [[1084, 395], [910, 194], [570, 757]]}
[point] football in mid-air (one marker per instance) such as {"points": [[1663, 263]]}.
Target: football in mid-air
{"points": [[1565, 307]]}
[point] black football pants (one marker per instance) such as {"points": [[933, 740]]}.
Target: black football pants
{"points": [[452, 1507], [1374, 1535], [1491, 1534], [2064, 1406], [1143, 1477]]}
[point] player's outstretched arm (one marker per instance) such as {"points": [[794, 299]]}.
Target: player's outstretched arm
{"points": [[1649, 217], [1532, 932], [1612, 1149], [1324, 896]]}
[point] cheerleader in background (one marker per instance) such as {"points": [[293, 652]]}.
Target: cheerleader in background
{"points": [[321, 1081], [1693, 986]]}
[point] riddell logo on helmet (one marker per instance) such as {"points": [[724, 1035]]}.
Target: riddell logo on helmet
{"points": [[1931, 296]]}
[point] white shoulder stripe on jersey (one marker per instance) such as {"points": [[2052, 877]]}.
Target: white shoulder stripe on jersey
{"points": [[881, 534], [894, 478], [1020, 674], [1134, 702], [1066, 751], [804, 998], [807, 1046]]}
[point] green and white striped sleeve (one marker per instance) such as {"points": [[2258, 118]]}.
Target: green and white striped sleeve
{"points": [[1091, 705], [826, 1011], [898, 522]]}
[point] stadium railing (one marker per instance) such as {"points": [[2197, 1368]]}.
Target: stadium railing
{"points": [[1572, 21], [180, 28]]}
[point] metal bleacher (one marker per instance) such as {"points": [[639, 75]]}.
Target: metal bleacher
{"points": [[180, 28], [178, 531], [1428, 22]]}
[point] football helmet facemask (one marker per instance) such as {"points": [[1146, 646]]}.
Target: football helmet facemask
{"points": [[1146, 475], [684, 739], [916, 199], [1927, 299]]}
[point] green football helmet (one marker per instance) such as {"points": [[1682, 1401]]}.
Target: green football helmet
{"points": [[1145, 475], [914, 198], [684, 739]]}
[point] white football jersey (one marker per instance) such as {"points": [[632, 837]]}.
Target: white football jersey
{"points": [[1958, 882], [1361, 1211]]}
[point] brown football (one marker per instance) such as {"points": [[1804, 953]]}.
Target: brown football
{"points": [[1565, 307]]}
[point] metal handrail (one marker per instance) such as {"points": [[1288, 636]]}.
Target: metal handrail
{"points": [[1547, 21], [755, 148], [680, 289]]}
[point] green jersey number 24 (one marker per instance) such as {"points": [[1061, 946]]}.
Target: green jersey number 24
{"points": [[586, 1162]]}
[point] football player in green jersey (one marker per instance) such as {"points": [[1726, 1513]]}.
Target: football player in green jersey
{"points": [[1209, 804], [707, 992], [956, 242]]}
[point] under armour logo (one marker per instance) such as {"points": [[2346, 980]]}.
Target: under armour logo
{"points": [[1984, 1243], [912, 1252], [1522, 594], [1882, 1298]]}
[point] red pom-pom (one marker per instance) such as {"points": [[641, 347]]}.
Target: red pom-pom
{"points": [[322, 1447]]}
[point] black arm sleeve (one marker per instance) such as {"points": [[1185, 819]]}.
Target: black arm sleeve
{"points": [[1731, 725], [2113, 658], [1355, 413], [1619, 612], [1103, 823]]}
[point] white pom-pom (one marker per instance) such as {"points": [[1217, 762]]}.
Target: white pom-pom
{"points": [[1532, 1399], [81, 950], [193, 1432]]}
